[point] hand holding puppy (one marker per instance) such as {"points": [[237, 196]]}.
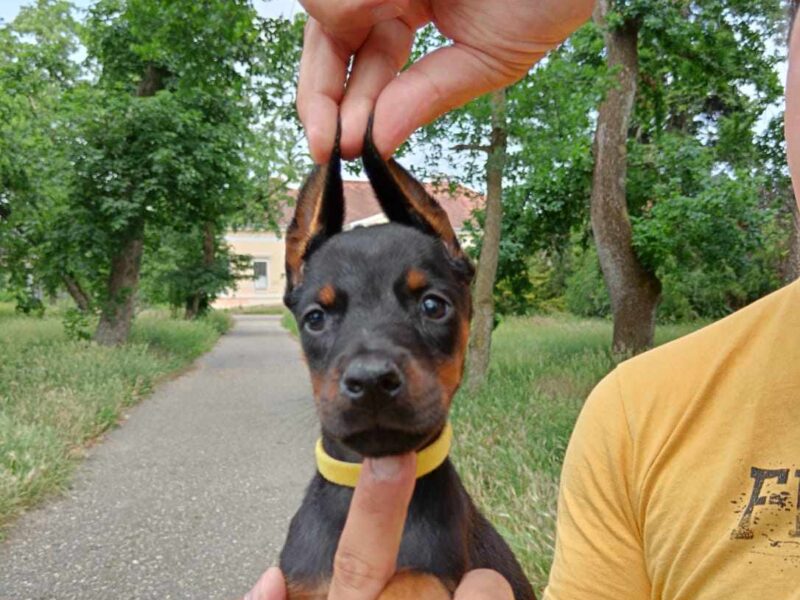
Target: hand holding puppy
{"points": [[367, 552]]}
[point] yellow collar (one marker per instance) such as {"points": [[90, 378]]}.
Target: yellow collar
{"points": [[346, 473]]}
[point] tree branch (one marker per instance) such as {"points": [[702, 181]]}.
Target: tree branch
{"points": [[475, 147]]}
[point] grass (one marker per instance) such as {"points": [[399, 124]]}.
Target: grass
{"points": [[512, 434], [288, 323], [57, 395], [260, 309]]}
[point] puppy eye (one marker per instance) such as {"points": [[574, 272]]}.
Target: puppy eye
{"points": [[314, 320], [434, 307]]}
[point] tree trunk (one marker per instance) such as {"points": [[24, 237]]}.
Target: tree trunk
{"points": [[793, 260], [635, 292], [117, 312], [483, 297], [198, 303], [74, 288]]}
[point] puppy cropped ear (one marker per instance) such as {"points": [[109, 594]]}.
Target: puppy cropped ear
{"points": [[319, 214], [404, 199]]}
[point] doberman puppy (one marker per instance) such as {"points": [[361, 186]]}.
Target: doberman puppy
{"points": [[383, 314]]}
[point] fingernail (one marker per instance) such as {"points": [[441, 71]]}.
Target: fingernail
{"points": [[386, 468], [386, 11]]}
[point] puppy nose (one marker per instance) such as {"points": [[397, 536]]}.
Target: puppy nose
{"points": [[371, 377]]}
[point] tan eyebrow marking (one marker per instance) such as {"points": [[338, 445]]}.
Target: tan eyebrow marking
{"points": [[416, 280], [327, 295]]}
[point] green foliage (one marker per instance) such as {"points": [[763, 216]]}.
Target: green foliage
{"points": [[289, 323], [57, 393], [77, 325], [180, 119], [180, 271], [707, 187], [29, 304], [585, 292], [716, 248], [218, 320], [36, 74]]}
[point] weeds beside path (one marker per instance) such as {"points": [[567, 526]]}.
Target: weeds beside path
{"points": [[57, 394], [511, 436]]}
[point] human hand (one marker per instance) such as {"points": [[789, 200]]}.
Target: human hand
{"points": [[493, 45], [367, 553]]}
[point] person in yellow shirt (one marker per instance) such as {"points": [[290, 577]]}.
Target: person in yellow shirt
{"points": [[682, 477]]}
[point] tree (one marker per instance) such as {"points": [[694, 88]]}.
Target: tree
{"points": [[187, 269], [36, 74], [634, 290], [483, 295], [549, 167], [516, 144], [164, 145], [179, 125], [682, 71]]}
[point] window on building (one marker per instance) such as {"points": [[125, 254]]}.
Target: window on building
{"points": [[261, 274]]}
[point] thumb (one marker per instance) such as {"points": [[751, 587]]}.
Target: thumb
{"points": [[444, 79], [367, 554], [271, 586], [484, 584]]}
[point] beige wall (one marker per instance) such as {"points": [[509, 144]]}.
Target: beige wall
{"points": [[260, 246]]}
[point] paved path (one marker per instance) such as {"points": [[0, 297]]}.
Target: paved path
{"points": [[191, 497]]}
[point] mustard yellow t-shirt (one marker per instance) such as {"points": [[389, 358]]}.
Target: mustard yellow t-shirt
{"points": [[682, 477]]}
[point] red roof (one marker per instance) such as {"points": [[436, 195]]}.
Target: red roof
{"points": [[360, 202]]}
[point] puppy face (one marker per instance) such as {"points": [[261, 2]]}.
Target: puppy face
{"points": [[383, 312]]}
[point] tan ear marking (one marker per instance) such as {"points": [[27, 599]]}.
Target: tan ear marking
{"points": [[421, 202], [306, 222], [404, 199], [319, 214]]}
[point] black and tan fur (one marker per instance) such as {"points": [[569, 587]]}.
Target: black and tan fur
{"points": [[383, 314]]}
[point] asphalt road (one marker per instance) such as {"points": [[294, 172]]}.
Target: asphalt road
{"points": [[192, 496]]}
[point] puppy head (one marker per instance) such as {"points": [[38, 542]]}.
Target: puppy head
{"points": [[383, 312]]}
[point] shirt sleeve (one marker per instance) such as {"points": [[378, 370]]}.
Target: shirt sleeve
{"points": [[598, 552]]}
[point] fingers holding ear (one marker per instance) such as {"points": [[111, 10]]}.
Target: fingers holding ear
{"points": [[334, 33], [323, 70], [346, 16], [377, 62]]}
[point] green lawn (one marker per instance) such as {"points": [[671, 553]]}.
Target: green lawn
{"points": [[260, 309], [289, 324], [57, 395], [511, 436]]}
